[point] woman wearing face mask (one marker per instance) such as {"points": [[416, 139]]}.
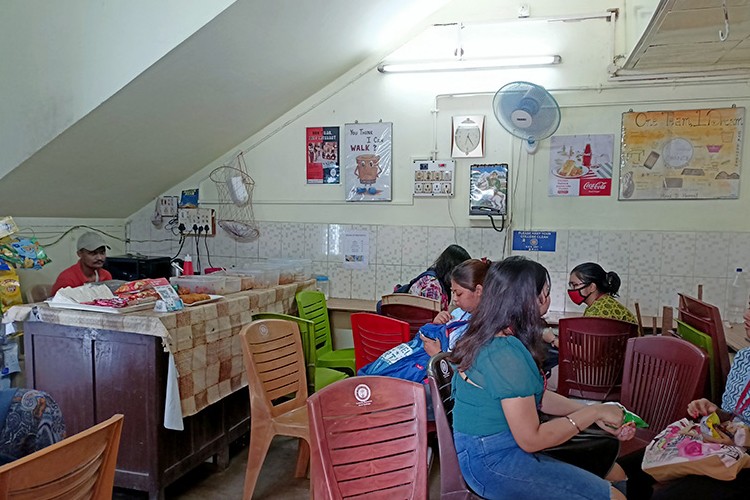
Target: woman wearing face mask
{"points": [[591, 285]]}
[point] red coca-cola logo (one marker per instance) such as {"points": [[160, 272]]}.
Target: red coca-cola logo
{"points": [[601, 187]]}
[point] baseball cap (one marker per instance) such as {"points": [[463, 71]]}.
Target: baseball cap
{"points": [[90, 242]]}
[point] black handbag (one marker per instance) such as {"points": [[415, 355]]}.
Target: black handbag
{"points": [[594, 450]]}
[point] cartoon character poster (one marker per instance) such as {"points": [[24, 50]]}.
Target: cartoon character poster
{"points": [[323, 155], [367, 161]]}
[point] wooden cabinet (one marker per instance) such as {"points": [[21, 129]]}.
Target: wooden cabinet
{"points": [[93, 374]]}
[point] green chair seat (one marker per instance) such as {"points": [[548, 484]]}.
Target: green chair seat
{"points": [[340, 358], [327, 376]]}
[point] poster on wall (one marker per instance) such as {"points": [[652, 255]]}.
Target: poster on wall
{"points": [[581, 165], [367, 161], [684, 154], [488, 189], [323, 155], [356, 249]]}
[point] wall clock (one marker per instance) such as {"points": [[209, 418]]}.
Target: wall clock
{"points": [[468, 136]]}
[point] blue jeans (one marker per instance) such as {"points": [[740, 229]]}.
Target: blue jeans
{"points": [[496, 468]]}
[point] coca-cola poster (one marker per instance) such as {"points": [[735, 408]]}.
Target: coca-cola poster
{"points": [[581, 165]]}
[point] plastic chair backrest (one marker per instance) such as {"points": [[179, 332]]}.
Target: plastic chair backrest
{"points": [[661, 376], [415, 310], [275, 367], [312, 306], [374, 334], [440, 374], [81, 466], [592, 354], [369, 438], [38, 293], [306, 330], [704, 342], [706, 318]]}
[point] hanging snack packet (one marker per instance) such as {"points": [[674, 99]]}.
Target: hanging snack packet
{"points": [[30, 252], [10, 290]]}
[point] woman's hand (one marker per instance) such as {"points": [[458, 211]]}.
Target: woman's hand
{"points": [[431, 346], [610, 418], [442, 318], [701, 407]]}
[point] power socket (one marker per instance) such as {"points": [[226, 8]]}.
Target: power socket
{"points": [[203, 218]]}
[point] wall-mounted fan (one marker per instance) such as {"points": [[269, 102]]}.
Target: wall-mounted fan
{"points": [[527, 111]]}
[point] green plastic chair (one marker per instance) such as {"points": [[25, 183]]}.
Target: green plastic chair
{"points": [[317, 376], [312, 306]]}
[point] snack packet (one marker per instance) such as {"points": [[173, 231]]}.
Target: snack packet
{"points": [[714, 432], [630, 416], [10, 290]]}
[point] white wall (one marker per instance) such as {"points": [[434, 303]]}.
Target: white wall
{"points": [[62, 71]]}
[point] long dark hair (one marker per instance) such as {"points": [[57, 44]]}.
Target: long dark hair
{"points": [[591, 272], [510, 300], [470, 273], [446, 262]]}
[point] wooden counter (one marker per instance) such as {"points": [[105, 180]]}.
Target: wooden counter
{"points": [[94, 370]]}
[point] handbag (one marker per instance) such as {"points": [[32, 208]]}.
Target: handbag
{"points": [[594, 450]]}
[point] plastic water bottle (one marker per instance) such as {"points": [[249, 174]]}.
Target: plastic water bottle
{"points": [[322, 283], [738, 297]]}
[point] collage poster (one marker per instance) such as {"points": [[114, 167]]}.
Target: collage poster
{"points": [[367, 161], [581, 165], [682, 154], [323, 155]]}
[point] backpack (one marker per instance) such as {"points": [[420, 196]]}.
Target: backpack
{"points": [[409, 360], [405, 288]]}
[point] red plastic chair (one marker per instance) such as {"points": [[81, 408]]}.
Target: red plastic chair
{"points": [[374, 334], [369, 439], [592, 354], [415, 310], [662, 375], [452, 484]]}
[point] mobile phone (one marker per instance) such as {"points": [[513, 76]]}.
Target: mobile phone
{"points": [[651, 160]]}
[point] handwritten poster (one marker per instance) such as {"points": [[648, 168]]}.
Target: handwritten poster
{"points": [[684, 154], [322, 162], [581, 165], [367, 161]]}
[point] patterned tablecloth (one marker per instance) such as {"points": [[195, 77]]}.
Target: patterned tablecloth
{"points": [[203, 339]]}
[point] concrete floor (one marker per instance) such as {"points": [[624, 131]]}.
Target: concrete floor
{"points": [[276, 480]]}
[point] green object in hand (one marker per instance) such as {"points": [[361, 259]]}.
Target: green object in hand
{"points": [[629, 416]]}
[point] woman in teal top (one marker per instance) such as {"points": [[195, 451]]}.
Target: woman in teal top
{"points": [[499, 390]]}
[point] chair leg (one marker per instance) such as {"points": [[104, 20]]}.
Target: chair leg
{"points": [[303, 458], [260, 441]]}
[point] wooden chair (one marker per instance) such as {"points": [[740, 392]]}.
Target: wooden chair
{"points": [[706, 318], [38, 293], [312, 306], [317, 376], [369, 439], [452, 484], [661, 376], [415, 310], [592, 354], [374, 334], [275, 367], [79, 467]]}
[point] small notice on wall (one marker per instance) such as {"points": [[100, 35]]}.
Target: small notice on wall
{"points": [[534, 241], [356, 249]]}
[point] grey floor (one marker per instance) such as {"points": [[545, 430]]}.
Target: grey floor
{"points": [[276, 479]]}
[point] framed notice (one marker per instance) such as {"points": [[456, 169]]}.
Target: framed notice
{"points": [[367, 161], [322, 161], [687, 154]]}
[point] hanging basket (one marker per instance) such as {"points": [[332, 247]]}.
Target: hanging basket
{"points": [[235, 188]]}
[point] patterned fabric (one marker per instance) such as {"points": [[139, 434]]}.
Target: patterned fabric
{"points": [[430, 287], [607, 306], [737, 380], [34, 421]]}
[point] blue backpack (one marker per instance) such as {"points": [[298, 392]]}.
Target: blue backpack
{"points": [[409, 360]]}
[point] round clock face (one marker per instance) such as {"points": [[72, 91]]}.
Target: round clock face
{"points": [[467, 138]]}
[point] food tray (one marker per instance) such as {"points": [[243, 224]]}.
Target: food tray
{"points": [[213, 297], [102, 309]]}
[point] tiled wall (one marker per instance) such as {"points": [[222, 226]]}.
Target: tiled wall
{"points": [[653, 266]]}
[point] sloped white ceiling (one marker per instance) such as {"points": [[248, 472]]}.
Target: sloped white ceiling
{"points": [[248, 66]]}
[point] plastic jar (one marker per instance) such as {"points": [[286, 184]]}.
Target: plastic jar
{"points": [[323, 284]]}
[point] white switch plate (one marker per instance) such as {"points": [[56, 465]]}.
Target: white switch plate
{"points": [[434, 178], [167, 206]]}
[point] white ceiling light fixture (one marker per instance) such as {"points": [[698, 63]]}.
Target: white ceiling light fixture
{"points": [[468, 64]]}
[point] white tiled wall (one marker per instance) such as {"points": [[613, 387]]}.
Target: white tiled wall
{"points": [[653, 266]]}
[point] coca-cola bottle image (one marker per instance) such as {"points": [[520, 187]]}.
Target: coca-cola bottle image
{"points": [[587, 155]]}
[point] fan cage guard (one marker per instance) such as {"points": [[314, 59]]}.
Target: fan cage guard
{"points": [[237, 220], [512, 96]]}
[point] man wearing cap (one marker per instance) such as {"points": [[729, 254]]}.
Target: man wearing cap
{"points": [[92, 251]]}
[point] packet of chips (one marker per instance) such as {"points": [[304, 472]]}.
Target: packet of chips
{"points": [[630, 416], [23, 253], [10, 290]]}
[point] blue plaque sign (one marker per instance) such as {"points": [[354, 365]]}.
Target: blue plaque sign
{"points": [[537, 241]]}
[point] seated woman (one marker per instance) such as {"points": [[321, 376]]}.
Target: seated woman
{"points": [[29, 421], [500, 389], [466, 287], [590, 284], [434, 283]]}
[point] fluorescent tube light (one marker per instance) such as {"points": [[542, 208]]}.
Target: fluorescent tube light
{"points": [[468, 64]]}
